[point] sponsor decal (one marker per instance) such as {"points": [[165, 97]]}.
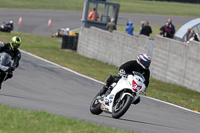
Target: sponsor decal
{"points": [[136, 87], [111, 97], [102, 106]]}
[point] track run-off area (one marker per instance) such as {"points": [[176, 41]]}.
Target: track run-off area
{"points": [[39, 84]]}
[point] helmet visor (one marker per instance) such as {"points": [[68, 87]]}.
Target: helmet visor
{"points": [[146, 64], [15, 45]]}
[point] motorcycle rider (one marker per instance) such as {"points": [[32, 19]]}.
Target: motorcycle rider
{"points": [[11, 49], [11, 24], [140, 65], [7, 27]]}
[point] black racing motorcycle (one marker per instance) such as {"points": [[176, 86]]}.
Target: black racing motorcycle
{"points": [[6, 27], [5, 65]]}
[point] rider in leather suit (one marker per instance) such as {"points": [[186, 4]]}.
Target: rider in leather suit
{"points": [[11, 49], [140, 65]]}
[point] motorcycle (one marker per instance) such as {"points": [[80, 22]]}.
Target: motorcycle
{"points": [[6, 27], [124, 93], [5, 64], [61, 32]]}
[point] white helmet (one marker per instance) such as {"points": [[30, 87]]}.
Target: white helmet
{"points": [[67, 29]]}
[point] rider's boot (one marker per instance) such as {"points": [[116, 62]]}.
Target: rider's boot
{"points": [[0, 83], [105, 87], [136, 101], [109, 81], [102, 93], [103, 90], [1, 79], [108, 91]]}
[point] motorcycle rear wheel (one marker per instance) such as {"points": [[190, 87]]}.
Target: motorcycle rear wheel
{"points": [[121, 106], [95, 106]]}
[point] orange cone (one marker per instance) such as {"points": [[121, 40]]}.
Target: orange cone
{"points": [[20, 20], [49, 22]]}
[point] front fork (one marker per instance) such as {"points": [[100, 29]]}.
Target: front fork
{"points": [[3, 76]]}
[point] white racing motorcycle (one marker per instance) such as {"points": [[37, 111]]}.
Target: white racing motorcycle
{"points": [[124, 93]]}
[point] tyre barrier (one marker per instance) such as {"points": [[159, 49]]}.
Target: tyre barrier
{"points": [[70, 42]]}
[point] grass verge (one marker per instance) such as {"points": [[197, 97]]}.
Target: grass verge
{"points": [[21, 121], [126, 6]]}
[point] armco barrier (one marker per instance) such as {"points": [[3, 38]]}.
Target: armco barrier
{"points": [[172, 61], [69, 42]]}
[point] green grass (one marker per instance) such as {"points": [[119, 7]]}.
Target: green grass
{"points": [[43, 4], [21, 121], [174, 94], [126, 6], [156, 7]]}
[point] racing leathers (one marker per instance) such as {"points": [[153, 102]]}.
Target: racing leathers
{"points": [[15, 55], [131, 66], [126, 68]]}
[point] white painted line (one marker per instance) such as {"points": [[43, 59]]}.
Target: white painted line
{"points": [[60, 66], [102, 82], [172, 104]]}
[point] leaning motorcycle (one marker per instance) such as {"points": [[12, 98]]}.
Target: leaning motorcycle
{"points": [[5, 64], [124, 93], [5, 27]]}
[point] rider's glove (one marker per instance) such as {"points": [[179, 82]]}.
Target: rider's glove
{"points": [[1, 43], [122, 72]]}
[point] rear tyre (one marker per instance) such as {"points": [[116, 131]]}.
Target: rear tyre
{"points": [[95, 106], [121, 106]]}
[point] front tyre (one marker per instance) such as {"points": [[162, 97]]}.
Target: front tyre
{"points": [[121, 106], [95, 106]]}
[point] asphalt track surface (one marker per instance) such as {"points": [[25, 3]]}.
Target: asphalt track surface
{"points": [[36, 21], [41, 85]]}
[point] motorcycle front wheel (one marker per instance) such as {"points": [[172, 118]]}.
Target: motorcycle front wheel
{"points": [[95, 106], [121, 106]]}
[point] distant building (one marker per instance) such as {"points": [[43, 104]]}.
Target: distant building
{"points": [[104, 11]]}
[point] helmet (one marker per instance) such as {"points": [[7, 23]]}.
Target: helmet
{"points": [[11, 21], [15, 42], [144, 60], [67, 29]]}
